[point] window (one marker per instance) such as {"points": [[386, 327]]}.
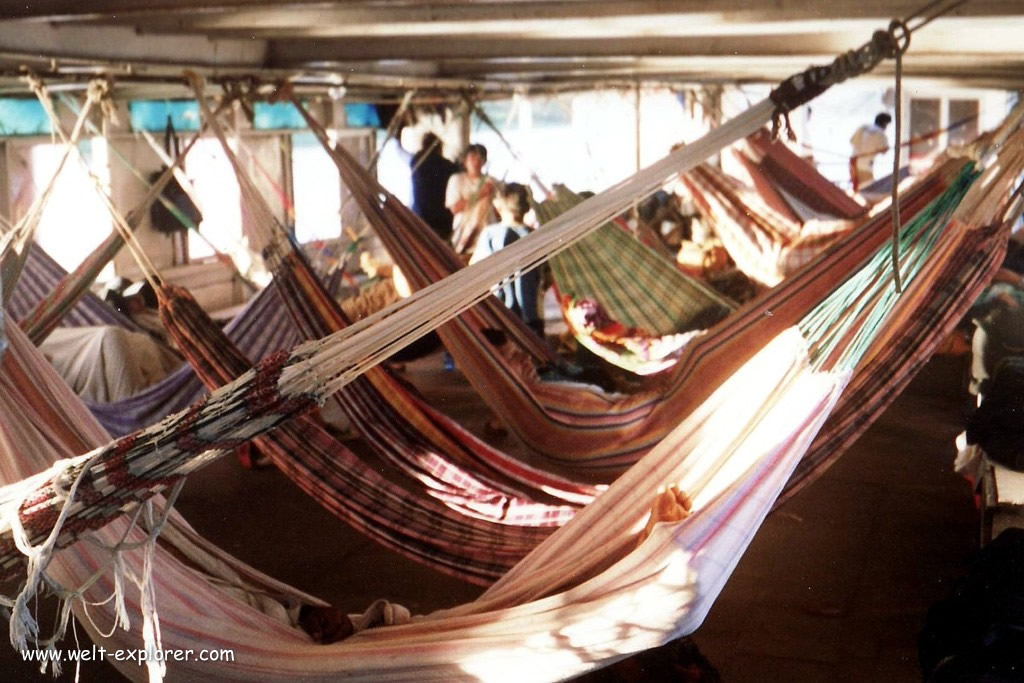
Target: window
{"points": [[963, 121], [74, 219], [219, 199], [317, 190], [925, 119], [935, 123]]}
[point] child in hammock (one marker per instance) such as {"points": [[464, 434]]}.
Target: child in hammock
{"points": [[512, 202]]}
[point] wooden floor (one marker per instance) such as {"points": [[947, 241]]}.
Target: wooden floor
{"points": [[834, 587]]}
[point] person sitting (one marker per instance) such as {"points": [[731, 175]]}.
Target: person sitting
{"points": [[468, 197], [520, 294]]}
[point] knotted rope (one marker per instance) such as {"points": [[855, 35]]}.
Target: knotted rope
{"points": [[891, 43]]}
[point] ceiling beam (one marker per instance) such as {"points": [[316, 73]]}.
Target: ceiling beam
{"points": [[556, 19], [1001, 38], [118, 43], [57, 10]]}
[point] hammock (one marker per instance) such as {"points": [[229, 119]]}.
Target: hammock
{"points": [[790, 184], [571, 603], [421, 528], [40, 276], [766, 245], [405, 430], [579, 430], [623, 301]]}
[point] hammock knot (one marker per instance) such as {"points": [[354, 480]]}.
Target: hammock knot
{"points": [[244, 91], [101, 91], [34, 83], [803, 87]]}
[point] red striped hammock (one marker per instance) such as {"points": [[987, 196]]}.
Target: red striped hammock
{"points": [[585, 595], [581, 428]]}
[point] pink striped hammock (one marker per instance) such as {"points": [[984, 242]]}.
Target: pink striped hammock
{"points": [[586, 595], [579, 430]]}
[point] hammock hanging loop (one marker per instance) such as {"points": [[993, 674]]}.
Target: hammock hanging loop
{"points": [[101, 91], [801, 88]]}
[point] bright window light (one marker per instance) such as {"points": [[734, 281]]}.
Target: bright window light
{"points": [[219, 198], [317, 189], [74, 220]]}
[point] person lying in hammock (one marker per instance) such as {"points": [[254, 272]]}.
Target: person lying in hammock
{"points": [[521, 293]]}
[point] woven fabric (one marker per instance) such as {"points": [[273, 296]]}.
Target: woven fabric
{"points": [[261, 328], [108, 363], [42, 276], [65, 295], [777, 170], [579, 428], [631, 282], [418, 439], [765, 244]]}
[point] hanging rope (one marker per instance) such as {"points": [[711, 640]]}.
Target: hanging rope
{"points": [[895, 203], [891, 43]]}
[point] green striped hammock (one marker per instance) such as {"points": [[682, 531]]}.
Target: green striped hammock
{"points": [[623, 300]]}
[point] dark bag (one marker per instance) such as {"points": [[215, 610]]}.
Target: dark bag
{"points": [[163, 219]]}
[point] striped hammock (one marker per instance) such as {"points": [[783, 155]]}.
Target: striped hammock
{"points": [[261, 328], [42, 275], [625, 302], [581, 429], [790, 184], [766, 245], [589, 585]]}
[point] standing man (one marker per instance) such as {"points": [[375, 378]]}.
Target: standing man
{"points": [[468, 197], [431, 172], [868, 142]]}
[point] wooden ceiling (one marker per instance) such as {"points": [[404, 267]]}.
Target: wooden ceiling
{"points": [[391, 45]]}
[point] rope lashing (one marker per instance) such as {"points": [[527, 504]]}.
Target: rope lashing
{"points": [[100, 90], [245, 91], [801, 88], [805, 86]]}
